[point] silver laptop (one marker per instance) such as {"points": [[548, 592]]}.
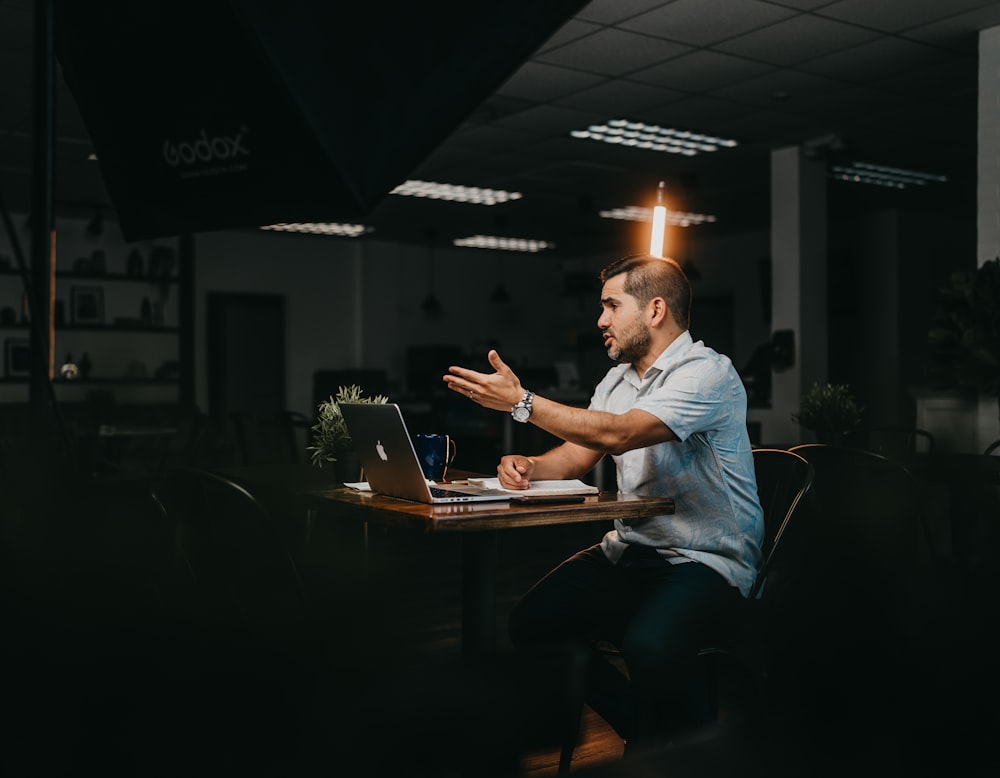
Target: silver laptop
{"points": [[390, 461]]}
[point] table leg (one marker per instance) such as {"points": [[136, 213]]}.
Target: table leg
{"points": [[479, 583]]}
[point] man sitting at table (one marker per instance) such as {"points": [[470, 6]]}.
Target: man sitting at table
{"points": [[672, 414]]}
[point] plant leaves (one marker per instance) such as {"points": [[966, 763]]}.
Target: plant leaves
{"points": [[330, 435]]}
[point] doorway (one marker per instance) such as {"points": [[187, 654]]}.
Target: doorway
{"points": [[246, 354]]}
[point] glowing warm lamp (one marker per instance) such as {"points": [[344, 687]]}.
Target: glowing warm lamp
{"points": [[659, 224]]}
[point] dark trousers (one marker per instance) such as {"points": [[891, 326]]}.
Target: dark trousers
{"points": [[656, 613]]}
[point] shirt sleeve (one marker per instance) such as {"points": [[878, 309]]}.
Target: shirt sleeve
{"points": [[693, 398]]}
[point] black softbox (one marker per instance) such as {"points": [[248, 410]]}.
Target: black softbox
{"points": [[207, 114]]}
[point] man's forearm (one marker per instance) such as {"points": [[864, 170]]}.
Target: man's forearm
{"points": [[594, 430], [567, 460], [599, 431]]}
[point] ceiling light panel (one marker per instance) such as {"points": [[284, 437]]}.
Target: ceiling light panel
{"points": [[652, 137], [496, 243], [321, 228], [882, 175], [637, 213], [454, 193]]}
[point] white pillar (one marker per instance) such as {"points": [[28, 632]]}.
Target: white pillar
{"points": [[798, 284], [988, 195]]}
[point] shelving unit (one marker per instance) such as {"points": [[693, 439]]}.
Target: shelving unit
{"points": [[131, 333]]}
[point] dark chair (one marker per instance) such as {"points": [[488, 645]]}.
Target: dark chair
{"points": [[243, 427], [262, 658], [866, 496], [295, 430], [864, 626], [783, 480], [895, 442], [237, 552]]}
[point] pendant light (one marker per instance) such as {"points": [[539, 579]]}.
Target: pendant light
{"points": [[659, 224]]}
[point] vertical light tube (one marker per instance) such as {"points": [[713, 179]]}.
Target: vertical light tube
{"points": [[659, 224]]}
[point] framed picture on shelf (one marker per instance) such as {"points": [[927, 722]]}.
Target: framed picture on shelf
{"points": [[17, 357], [86, 305]]}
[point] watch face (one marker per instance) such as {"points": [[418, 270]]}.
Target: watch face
{"points": [[521, 413]]}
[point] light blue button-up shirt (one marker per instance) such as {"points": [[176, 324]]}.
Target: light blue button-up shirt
{"points": [[708, 470]]}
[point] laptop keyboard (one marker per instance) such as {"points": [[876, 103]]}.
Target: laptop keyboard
{"points": [[438, 492]]}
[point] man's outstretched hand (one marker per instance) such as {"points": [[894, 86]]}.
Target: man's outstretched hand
{"points": [[500, 391]]}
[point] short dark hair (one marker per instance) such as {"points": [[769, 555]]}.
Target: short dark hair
{"points": [[647, 277]]}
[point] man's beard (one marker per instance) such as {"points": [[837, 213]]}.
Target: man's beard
{"points": [[631, 346]]}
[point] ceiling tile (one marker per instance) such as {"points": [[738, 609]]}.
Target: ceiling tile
{"points": [[549, 119], [612, 52], [895, 15], [699, 113], [485, 139], [571, 31], [540, 82], [700, 70], [614, 11], [623, 97], [780, 89], [757, 128], [804, 5], [705, 22], [797, 40], [956, 31], [887, 56]]}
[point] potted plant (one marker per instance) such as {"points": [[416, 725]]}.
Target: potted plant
{"points": [[331, 440], [829, 410], [965, 332]]}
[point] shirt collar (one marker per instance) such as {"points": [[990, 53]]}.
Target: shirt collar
{"points": [[670, 353]]}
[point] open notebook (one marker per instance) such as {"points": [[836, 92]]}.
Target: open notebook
{"points": [[390, 461], [540, 488]]}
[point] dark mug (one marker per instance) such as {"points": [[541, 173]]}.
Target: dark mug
{"points": [[436, 451]]}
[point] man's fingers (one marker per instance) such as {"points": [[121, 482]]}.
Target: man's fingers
{"points": [[498, 364]]}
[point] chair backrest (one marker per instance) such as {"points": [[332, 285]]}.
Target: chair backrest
{"points": [[297, 434], [783, 479], [234, 545], [892, 441], [869, 518], [870, 577]]}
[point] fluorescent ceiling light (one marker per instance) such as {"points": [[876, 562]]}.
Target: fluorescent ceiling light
{"points": [[453, 193], [321, 228], [504, 244], [652, 137], [637, 213], [881, 175]]}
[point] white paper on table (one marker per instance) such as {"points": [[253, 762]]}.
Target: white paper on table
{"points": [[361, 486], [540, 488]]}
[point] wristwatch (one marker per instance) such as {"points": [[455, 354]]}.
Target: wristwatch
{"points": [[522, 411]]}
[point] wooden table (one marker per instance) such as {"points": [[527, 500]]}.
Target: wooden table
{"points": [[478, 523]]}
